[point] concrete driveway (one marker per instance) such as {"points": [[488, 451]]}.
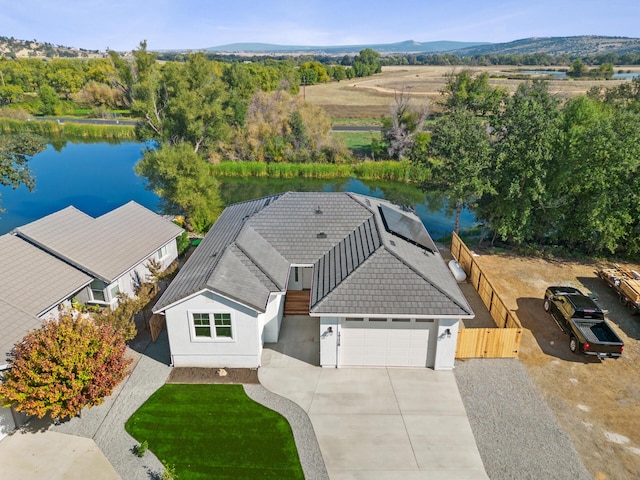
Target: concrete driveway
{"points": [[51, 455], [381, 423]]}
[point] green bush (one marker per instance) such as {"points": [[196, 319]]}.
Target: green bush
{"points": [[141, 449]]}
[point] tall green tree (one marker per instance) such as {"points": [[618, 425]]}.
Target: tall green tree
{"points": [[526, 134], [15, 151], [64, 366], [183, 179], [460, 160], [593, 179], [366, 63], [472, 92]]}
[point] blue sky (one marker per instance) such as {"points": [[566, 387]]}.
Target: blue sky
{"points": [[182, 24]]}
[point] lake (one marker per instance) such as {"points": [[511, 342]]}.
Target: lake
{"points": [[98, 177]]}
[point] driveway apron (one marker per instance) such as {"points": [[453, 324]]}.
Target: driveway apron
{"points": [[382, 423]]}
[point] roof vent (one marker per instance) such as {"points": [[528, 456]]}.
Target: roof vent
{"points": [[318, 211], [321, 235], [392, 243], [368, 202]]}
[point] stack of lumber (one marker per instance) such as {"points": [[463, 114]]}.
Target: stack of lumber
{"points": [[631, 288]]}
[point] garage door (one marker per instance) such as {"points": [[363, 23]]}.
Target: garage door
{"points": [[384, 342], [6, 422]]}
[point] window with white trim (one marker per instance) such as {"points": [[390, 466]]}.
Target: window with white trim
{"points": [[202, 325], [163, 252], [212, 325], [97, 291], [114, 290]]}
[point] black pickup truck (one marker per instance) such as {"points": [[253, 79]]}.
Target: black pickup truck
{"points": [[579, 317]]}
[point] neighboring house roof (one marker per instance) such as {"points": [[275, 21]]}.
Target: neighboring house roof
{"points": [[14, 324], [105, 247], [45, 262], [32, 279], [360, 268]]}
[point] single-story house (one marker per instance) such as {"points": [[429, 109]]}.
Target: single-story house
{"points": [[369, 272], [70, 254]]}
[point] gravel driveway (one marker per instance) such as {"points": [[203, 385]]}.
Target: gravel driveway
{"points": [[516, 432]]}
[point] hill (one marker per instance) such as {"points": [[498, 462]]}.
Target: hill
{"points": [[13, 48], [572, 46], [408, 46]]}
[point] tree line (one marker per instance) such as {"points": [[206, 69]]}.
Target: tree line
{"points": [[536, 172]]}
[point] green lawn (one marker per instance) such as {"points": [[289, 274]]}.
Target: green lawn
{"points": [[216, 432]]}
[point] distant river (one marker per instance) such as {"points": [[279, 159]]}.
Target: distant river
{"points": [[98, 177]]}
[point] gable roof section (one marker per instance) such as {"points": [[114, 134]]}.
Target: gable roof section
{"points": [[238, 278], [264, 256], [429, 265], [385, 286], [34, 280], [195, 275], [105, 247]]}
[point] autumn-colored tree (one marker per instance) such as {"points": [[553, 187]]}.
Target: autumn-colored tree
{"points": [[64, 366], [281, 128]]}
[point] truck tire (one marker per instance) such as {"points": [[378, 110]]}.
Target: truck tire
{"points": [[573, 344], [621, 299], [546, 305]]}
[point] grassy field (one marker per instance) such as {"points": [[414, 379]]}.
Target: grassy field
{"points": [[359, 142], [370, 98], [216, 431]]}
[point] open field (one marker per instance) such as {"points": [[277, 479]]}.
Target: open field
{"points": [[371, 97], [597, 403]]}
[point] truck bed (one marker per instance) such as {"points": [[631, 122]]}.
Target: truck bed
{"points": [[596, 331]]}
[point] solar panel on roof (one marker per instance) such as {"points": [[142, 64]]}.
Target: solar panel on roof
{"points": [[405, 227]]}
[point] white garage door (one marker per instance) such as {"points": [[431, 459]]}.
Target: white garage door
{"points": [[384, 342], [6, 422]]}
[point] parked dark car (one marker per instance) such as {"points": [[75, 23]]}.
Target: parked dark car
{"points": [[582, 319]]}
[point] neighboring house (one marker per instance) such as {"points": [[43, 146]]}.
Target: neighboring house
{"points": [[372, 278], [70, 254]]}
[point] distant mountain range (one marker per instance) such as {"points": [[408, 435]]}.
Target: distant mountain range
{"points": [[408, 46], [571, 46]]}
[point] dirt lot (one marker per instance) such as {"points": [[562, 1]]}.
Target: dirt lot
{"points": [[597, 403], [371, 97]]}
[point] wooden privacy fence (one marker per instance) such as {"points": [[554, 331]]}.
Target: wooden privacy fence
{"points": [[156, 324], [500, 342]]}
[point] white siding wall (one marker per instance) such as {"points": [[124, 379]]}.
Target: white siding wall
{"points": [[329, 341], [127, 281], [445, 352], [243, 351], [273, 318]]}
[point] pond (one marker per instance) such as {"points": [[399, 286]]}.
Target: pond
{"points": [[558, 75], [98, 177]]}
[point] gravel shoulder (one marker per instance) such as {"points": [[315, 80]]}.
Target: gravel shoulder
{"points": [[517, 434]]}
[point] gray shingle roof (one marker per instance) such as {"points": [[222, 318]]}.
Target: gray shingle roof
{"points": [[34, 280], [105, 247], [14, 324], [359, 267], [194, 276]]}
